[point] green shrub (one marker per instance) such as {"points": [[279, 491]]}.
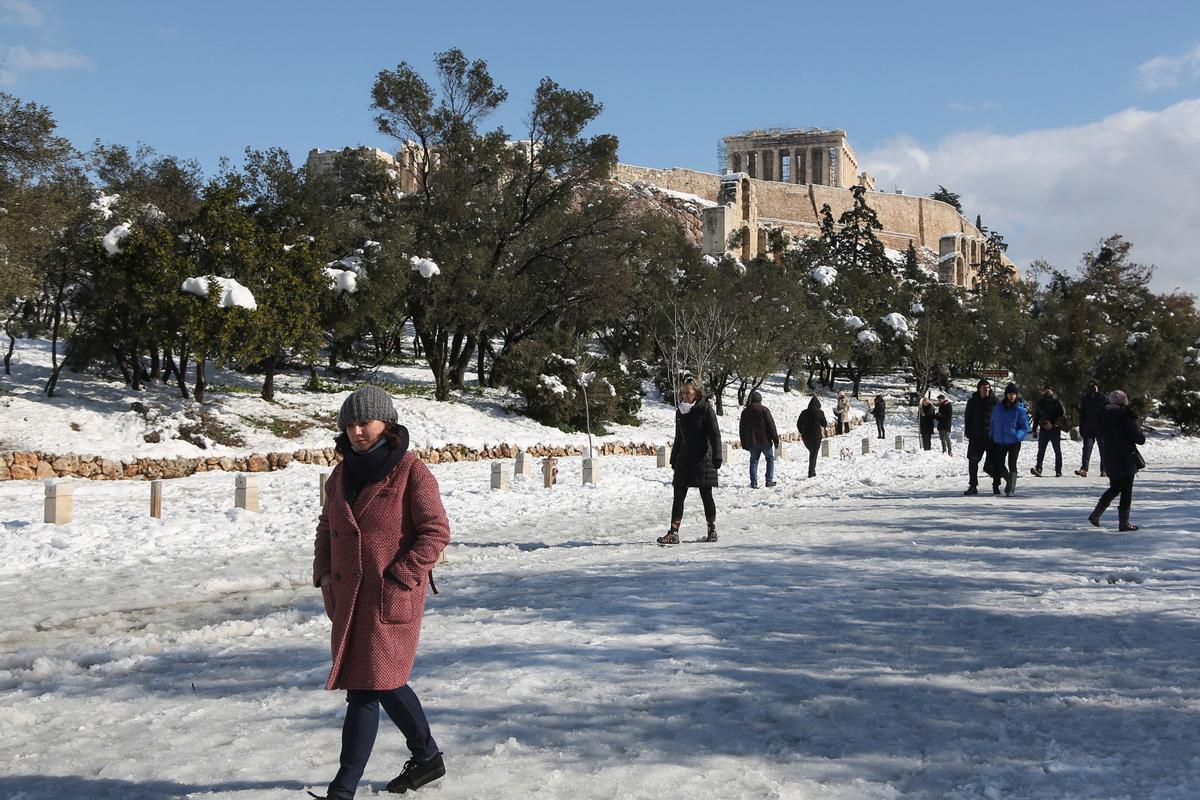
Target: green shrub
{"points": [[550, 386]]}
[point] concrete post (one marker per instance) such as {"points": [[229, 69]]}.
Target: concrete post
{"points": [[781, 452], [245, 492], [156, 499], [549, 472], [725, 452], [824, 448], [524, 465], [60, 503], [321, 480], [501, 476], [591, 471], [899, 442], [866, 446], [664, 458], [958, 437]]}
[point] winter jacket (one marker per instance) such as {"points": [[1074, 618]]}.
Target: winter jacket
{"points": [[1120, 434], [945, 415], [842, 410], [880, 409], [1051, 410], [1010, 424], [696, 453], [1091, 406], [977, 418], [811, 424], [925, 418], [378, 555], [757, 426]]}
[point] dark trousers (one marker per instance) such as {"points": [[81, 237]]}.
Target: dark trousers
{"points": [[976, 450], [926, 440], [361, 725], [879, 426], [1051, 437], [757, 451], [842, 427], [1117, 485], [944, 436], [710, 506], [812, 460], [1009, 453], [1088, 443]]}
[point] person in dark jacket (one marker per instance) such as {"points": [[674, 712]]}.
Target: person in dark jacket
{"points": [[1091, 406], [977, 425], [1121, 434], [1049, 415], [879, 412], [759, 437], [926, 420], [1009, 427], [695, 458], [811, 424], [945, 418]]}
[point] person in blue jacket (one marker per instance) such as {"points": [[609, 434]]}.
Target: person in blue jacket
{"points": [[1009, 427]]}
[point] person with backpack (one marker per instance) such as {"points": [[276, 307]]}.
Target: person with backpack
{"points": [[1009, 427], [811, 424], [759, 437], [1049, 414]]}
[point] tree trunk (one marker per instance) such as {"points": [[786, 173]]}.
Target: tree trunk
{"points": [[460, 364], [198, 392], [479, 351], [135, 369], [268, 387], [12, 345], [155, 365], [742, 392], [181, 370], [787, 381], [168, 368]]}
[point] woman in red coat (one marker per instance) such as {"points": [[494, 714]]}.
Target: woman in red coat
{"points": [[380, 533]]}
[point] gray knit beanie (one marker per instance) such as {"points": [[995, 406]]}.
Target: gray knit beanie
{"points": [[366, 403]]}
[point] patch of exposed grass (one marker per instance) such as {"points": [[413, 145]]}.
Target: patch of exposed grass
{"points": [[280, 427], [204, 425], [223, 389]]}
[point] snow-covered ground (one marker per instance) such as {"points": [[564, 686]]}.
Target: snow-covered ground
{"points": [[870, 633]]}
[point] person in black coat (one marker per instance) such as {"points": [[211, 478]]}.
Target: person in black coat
{"points": [[695, 458], [1091, 406], [879, 412], [1121, 434], [945, 418], [926, 419], [1049, 415], [977, 424], [759, 437], [811, 424]]}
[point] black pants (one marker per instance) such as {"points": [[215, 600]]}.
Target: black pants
{"points": [[926, 440], [362, 723], [812, 460], [1009, 453], [1049, 438], [1117, 485], [710, 506], [976, 450], [879, 426]]}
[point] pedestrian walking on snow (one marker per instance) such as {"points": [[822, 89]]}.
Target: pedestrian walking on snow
{"points": [[879, 412], [1091, 406], [977, 427], [945, 420], [695, 459], [926, 421], [1049, 415], [759, 437], [381, 530], [1121, 434], [842, 412], [811, 424], [1009, 427]]}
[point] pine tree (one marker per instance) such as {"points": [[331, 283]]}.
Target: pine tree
{"points": [[946, 196]]}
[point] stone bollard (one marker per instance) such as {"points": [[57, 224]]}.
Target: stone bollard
{"points": [[824, 448], [724, 452], [322, 478], [245, 492], [501, 476], [899, 442], [60, 503], [781, 452], [156, 499], [1074, 433], [959, 437], [664, 457], [550, 472], [591, 471], [866, 446], [524, 465]]}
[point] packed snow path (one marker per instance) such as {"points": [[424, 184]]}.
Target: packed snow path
{"points": [[870, 633]]}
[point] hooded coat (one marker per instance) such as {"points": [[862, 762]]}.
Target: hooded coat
{"points": [[378, 554], [757, 426], [1091, 406], [926, 417], [879, 411], [1120, 434], [1009, 424], [977, 417], [811, 424], [696, 453]]}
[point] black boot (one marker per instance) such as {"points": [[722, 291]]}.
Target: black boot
{"points": [[416, 774], [672, 535], [712, 531], [971, 490], [1101, 507], [1123, 519]]}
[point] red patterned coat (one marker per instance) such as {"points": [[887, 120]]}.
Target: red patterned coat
{"points": [[378, 556]]}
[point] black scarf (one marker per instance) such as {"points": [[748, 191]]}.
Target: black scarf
{"points": [[360, 470]]}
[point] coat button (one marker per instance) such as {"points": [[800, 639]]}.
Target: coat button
{"points": [[358, 574], [337, 576]]}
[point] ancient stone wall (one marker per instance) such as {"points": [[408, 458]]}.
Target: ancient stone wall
{"points": [[691, 181]]}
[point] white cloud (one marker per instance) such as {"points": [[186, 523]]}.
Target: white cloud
{"points": [[1168, 72], [18, 59], [20, 12], [1055, 193]]}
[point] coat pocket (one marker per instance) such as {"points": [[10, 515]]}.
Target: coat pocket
{"points": [[398, 604], [327, 598]]}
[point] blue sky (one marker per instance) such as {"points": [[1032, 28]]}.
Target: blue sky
{"points": [[1026, 109]]}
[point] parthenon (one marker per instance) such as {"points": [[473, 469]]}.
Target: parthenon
{"points": [[795, 155]]}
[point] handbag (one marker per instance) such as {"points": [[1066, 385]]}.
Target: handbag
{"points": [[1138, 461]]}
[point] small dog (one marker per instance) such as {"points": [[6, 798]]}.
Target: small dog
{"points": [[847, 454]]}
